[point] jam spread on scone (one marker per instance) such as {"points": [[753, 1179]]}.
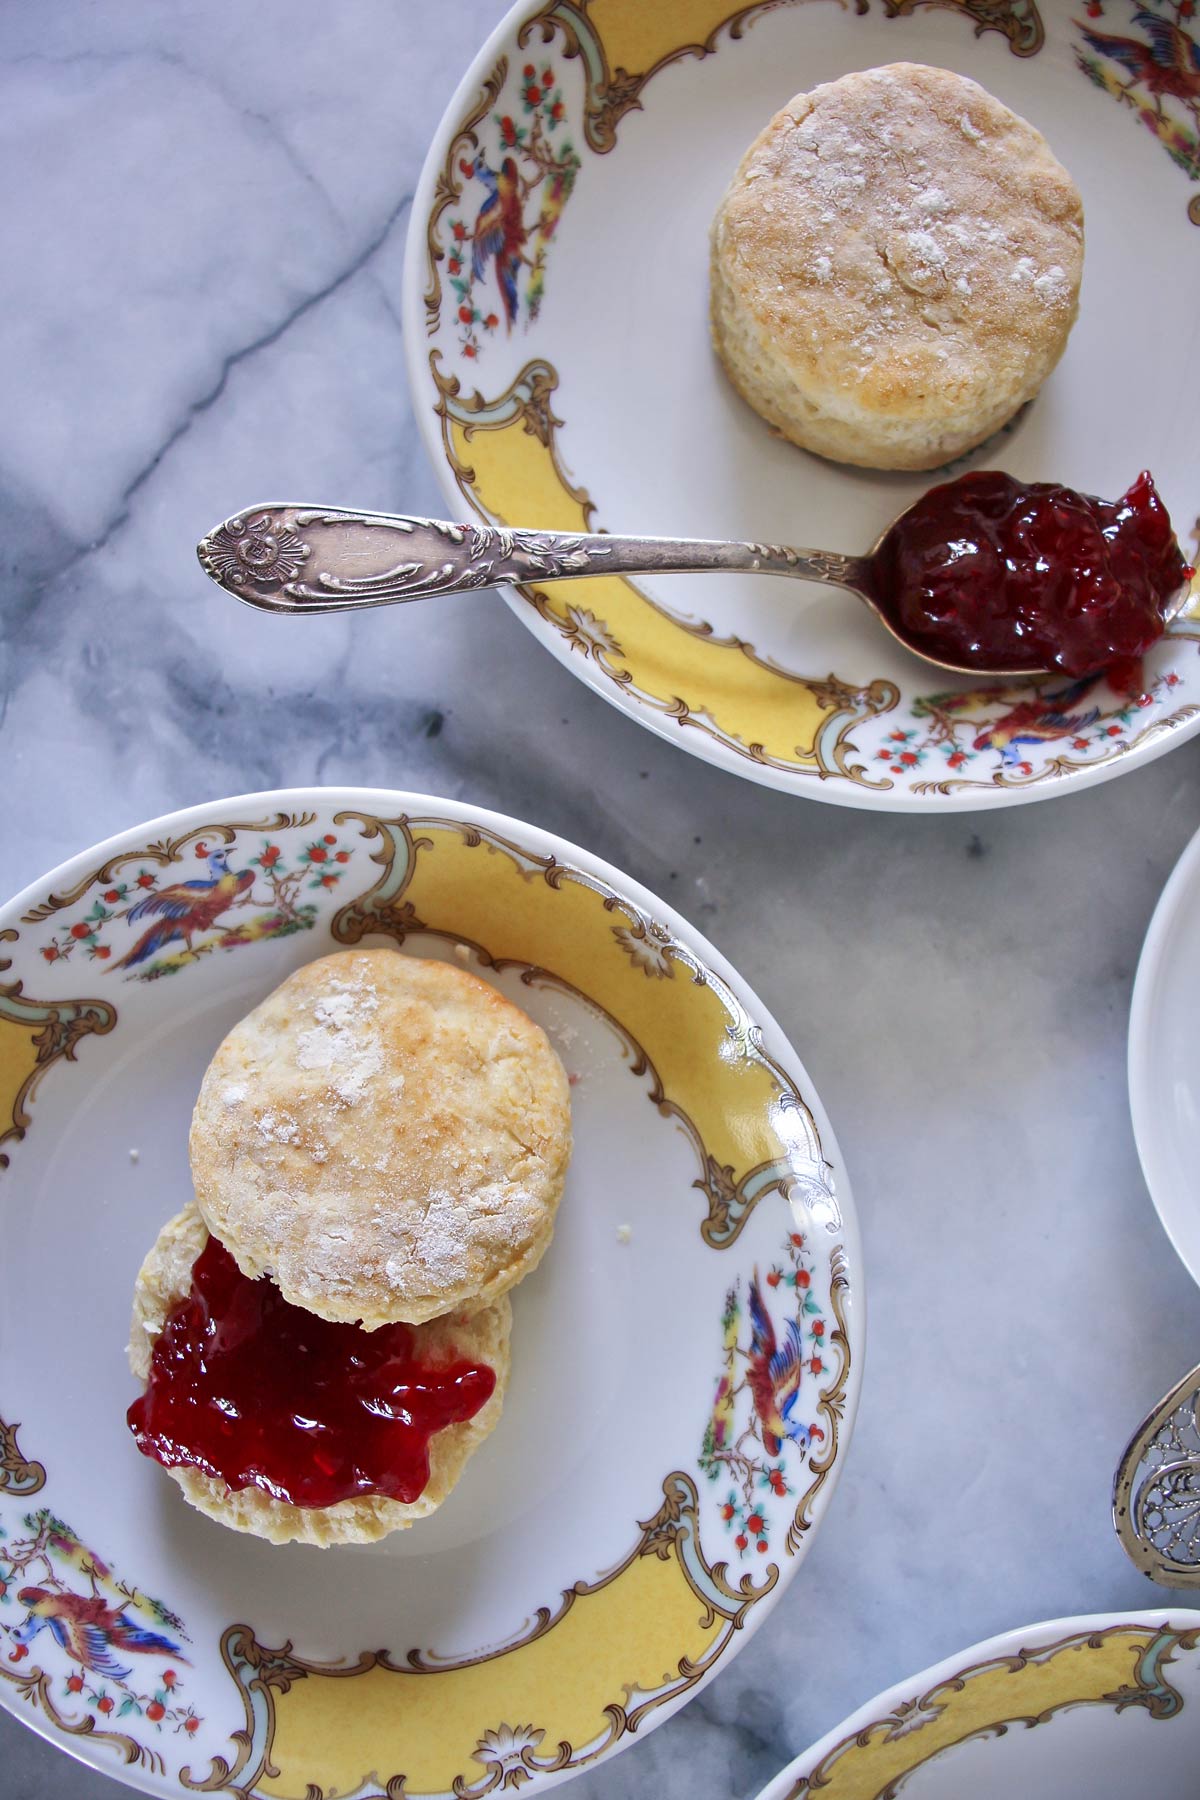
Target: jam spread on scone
{"points": [[256, 1392], [988, 572]]}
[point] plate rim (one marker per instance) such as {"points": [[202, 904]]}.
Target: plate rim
{"points": [[1168, 918], [1002, 1644], [378, 800], [812, 785]]}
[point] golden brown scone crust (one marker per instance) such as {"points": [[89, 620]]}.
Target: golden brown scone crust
{"points": [[386, 1137], [483, 1336], [895, 267]]}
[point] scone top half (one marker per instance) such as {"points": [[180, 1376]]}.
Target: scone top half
{"points": [[895, 267], [385, 1137]]}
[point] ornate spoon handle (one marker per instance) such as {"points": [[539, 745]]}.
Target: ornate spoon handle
{"points": [[323, 559]]}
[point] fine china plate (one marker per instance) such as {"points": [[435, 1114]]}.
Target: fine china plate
{"points": [[605, 133], [628, 1523], [1104, 1706], [1164, 1094]]}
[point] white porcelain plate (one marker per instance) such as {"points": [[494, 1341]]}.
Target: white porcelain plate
{"points": [[1105, 1707], [594, 138], [632, 1517], [1164, 1090]]}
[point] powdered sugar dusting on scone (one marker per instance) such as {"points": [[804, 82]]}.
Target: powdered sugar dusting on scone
{"points": [[439, 1247], [342, 1040], [1053, 286], [278, 1128]]}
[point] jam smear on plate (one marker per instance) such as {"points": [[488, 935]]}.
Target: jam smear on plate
{"points": [[990, 573], [259, 1393]]}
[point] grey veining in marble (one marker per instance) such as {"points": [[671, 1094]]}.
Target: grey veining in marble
{"points": [[200, 255]]}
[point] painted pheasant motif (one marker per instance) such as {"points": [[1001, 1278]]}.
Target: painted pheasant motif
{"points": [[767, 1393]]}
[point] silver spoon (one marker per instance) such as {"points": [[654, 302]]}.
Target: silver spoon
{"points": [[1156, 1489], [303, 559]]}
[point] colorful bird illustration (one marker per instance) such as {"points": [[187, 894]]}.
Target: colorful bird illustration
{"points": [[500, 229], [89, 1630], [773, 1374], [1038, 721], [187, 907], [1168, 64]]}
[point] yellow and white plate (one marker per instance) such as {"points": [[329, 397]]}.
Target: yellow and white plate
{"points": [[599, 136], [632, 1518], [1106, 1706]]}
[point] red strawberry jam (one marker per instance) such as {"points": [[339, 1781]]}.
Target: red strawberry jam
{"points": [[259, 1393], [990, 574]]}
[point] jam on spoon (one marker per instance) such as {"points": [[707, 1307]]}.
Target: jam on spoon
{"points": [[256, 1392], [986, 572]]}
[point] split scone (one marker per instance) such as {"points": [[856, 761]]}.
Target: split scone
{"points": [[280, 1423], [386, 1137], [895, 267]]}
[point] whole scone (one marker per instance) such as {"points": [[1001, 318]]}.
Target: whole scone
{"points": [[895, 267], [483, 1336], [386, 1137]]}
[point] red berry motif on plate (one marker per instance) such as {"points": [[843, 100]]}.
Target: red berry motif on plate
{"points": [[761, 1425]]}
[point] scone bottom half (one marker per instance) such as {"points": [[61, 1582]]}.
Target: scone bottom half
{"points": [[387, 1136], [895, 268], [280, 1423]]}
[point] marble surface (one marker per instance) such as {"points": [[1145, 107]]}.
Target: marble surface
{"points": [[199, 280]]}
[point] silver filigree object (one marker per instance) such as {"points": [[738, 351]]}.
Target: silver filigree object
{"points": [[325, 559], [1156, 1489]]}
